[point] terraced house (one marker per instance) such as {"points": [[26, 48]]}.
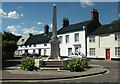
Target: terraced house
{"points": [[88, 37], [103, 43]]}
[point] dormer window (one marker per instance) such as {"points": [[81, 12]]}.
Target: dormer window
{"points": [[29, 45], [34, 45], [45, 44], [22, 40]]}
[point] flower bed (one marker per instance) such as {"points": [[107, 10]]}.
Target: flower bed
{"points": [[76, 65]]}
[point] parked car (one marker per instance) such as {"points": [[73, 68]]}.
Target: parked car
{"points": [[77, 55]]}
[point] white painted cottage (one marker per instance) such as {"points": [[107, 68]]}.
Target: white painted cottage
{"points": [[72, 37], [103, 43]]}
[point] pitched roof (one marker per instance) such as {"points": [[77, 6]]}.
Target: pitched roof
{"points": [[108, 28], [40, 38], [22, 40], [37, 39], [73, 27]]}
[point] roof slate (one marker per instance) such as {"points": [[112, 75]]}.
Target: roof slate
{"points": [[38, 39], [73, 27], [108, 28]]}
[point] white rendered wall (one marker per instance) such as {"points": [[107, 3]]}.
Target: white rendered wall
{"points": [[64, 46], [101, 44]]}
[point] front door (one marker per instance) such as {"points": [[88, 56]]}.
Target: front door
{"points": [[39, 52], [107, 54], [69, 51]]}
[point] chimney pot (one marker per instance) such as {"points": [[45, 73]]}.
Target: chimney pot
{"points": [[65, 22], [46, 30], [30, 34], [95, 15]]}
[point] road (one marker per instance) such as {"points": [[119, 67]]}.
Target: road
{"points": [[111, 77]]}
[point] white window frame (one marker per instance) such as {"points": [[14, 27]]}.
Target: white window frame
{"points": [[117, 51], [61, 39], [34, 45], [117, 36], [92, 51], [67, 38], [92, 39], [76, 36]]}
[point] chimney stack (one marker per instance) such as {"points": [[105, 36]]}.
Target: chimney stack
{"points": [[30, 34], [46, 30], [94, 15], [65, 22]]}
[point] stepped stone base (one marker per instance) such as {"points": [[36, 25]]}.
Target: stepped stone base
{"points": [[51, 63]]}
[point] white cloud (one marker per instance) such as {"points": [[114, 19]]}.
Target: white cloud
{"points": [[13, 15], [51, 25], [22, 23], [40, 32], [2, 13], [20, 7], [14, 29], [119, 15], [22, 15], [38, 23], [31, 30], [85, 3], [18, 30]]}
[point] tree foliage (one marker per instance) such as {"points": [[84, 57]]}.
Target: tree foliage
{"points": [[9, 44]]}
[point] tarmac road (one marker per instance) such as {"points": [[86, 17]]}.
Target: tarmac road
{"points": [[111, 77]]}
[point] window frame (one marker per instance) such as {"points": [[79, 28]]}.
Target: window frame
{"points": [[60, 39], [76, 37], [67, 38], [117, 37], [92, 39], [34, 45], [92, 51], [117, 51]]}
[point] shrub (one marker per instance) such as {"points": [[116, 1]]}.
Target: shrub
{"points": [[28, 64], [75, 65], [84, 63]]}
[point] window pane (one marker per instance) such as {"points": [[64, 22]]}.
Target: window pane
{"points": [[117, 36], [117, 51], [92, 51], [67, 38], [60, 39], [92, 39], [76, 37]]}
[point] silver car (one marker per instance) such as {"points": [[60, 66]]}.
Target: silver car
{"points": [[77, 55]]}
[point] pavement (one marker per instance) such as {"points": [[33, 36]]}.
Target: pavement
{"points": [[16, 74]]}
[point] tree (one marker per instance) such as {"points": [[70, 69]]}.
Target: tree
{"points": [[9, 44]]}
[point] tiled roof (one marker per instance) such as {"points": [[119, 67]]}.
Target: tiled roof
{"points": [[73, 27], [22, 40], [108, 28], [37, 39], [40, 38]]}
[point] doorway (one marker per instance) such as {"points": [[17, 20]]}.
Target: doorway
{"points": [[39, 52], [107, 54], [69, 51]]}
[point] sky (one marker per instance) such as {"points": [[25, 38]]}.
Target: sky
{"points": [[22, 18]]}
